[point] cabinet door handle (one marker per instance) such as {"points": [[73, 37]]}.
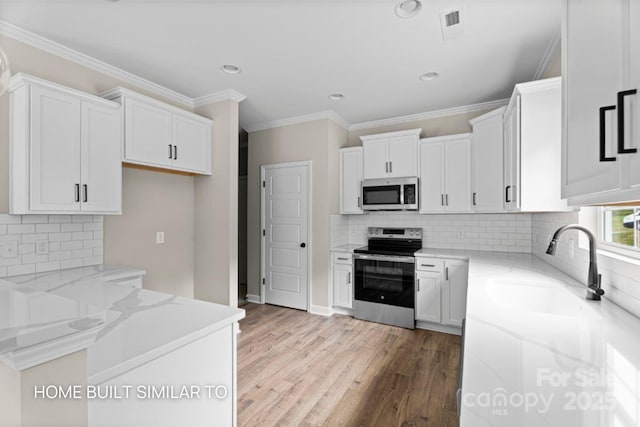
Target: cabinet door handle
{"points": [[442, 200], [506, 194], [359, 204], [390, 167], [85, 189], [621, 147], [77, 192], [417, 285], [175, 152], [446, 198], [349, 277], [170, 151], [474, 199], [386, 167], [446, 273], [603, 134]]}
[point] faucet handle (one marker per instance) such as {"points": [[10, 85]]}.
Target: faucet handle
{"points": [[595, 288]]}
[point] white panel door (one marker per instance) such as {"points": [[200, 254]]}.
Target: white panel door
{"points": [[286, 245], [55, 151], [342, 286], [592, 78], [428, 296], [192, 144], [457, 169], [350, 180], [431, 177], [101, 170], [487, 165], [403, 159], [376, 158], [147, 133], [454, 298]]}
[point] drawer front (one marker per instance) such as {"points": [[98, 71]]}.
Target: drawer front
{"points": [[342, 258], [429, 264]]}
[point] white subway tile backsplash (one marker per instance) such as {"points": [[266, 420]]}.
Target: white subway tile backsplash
{"points": [[58, 231]]}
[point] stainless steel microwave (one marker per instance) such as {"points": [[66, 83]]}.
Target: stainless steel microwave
{"points": [[390, 194]]}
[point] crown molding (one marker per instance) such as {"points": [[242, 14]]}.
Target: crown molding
{"points": [[328, 114], [429, 115], [54, 48], [223, 95], [552, 50]]}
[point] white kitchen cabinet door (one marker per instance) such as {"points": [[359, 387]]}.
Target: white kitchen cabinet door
{"points": [[592, 71], [191, 145], [55, 151], [148, 133], [633, 127], [342, 285], [351, 180], [431, 177], [428, 289], [375, 159], [511, 155], [101, 166], [486, 162], [454, 292], [403, 161], [457, 171]]}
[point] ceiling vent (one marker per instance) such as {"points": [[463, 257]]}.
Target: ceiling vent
{"points": [[452, 23]]}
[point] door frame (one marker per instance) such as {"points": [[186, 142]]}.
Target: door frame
{"points": [[263, 170]]}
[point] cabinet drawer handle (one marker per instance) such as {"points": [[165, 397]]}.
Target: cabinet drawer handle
{"points": [[427, 265], [603, 134], [85, 199], [343, 259], [77, 192], [170, 151], [506, 194], [621, 147]]}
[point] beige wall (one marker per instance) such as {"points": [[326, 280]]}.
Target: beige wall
{"points": [[318, 142], [216, 211], [148, 203], [151, 202]]}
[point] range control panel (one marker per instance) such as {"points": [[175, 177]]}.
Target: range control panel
{"points": [[394, 233]]}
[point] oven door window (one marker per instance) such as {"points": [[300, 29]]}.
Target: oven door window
{"points": [[385, 282], [381, 195]]}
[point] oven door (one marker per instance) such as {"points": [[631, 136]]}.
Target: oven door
{"points": [[385, 279]]}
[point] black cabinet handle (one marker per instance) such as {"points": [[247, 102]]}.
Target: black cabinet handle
{"points": [[86, 193], [621, 148], [77, 192], [603, 136], [474, 199], [506, 194], [170, 151], [175, 152], [446, 198]]}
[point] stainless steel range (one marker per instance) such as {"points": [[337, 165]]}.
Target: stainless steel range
{"points": [[384, 271]]}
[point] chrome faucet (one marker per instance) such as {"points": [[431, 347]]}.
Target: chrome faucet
{"points": [[593, 279]]}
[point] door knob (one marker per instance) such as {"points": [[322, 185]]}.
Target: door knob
{"points": [[303, 245]]}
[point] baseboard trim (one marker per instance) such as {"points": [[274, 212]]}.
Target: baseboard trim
{"points": [[320, 310], [447, 329], [255, 299]]}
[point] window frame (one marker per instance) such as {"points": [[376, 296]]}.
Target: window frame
{"points": [[616, 248]]}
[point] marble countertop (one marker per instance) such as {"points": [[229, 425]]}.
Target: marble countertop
{"points": [[537, 353], [137, 325]]}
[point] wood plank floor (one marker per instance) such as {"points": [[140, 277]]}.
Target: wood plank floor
{"points": [[299, 369]]}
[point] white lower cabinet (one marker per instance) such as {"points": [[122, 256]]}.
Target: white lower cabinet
{"points": [[441, 292], [342, 273]]}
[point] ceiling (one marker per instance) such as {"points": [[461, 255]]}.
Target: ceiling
{"points": [[293, 54]]}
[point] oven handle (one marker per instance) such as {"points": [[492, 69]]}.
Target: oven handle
{"points": [[407, 259]]}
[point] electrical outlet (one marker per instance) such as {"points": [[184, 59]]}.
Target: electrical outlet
{"points": [[10, 249], [160, 237], [42, 247]]}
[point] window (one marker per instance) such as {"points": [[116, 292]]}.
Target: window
{"points": [[620, 229]]}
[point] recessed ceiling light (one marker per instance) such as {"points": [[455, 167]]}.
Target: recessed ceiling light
{"points": [[230, 69], [431, 75], [336, 96], [408, 8]]}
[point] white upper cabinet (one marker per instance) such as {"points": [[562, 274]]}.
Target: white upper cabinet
{"points": [[532, 147], [389, 155], [486, 162], [601, 118], [445, 164], [350, 180], [163, 136], [65, 150]]}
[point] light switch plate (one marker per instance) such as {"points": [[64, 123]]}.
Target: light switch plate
{"points": [[160, 237]]}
